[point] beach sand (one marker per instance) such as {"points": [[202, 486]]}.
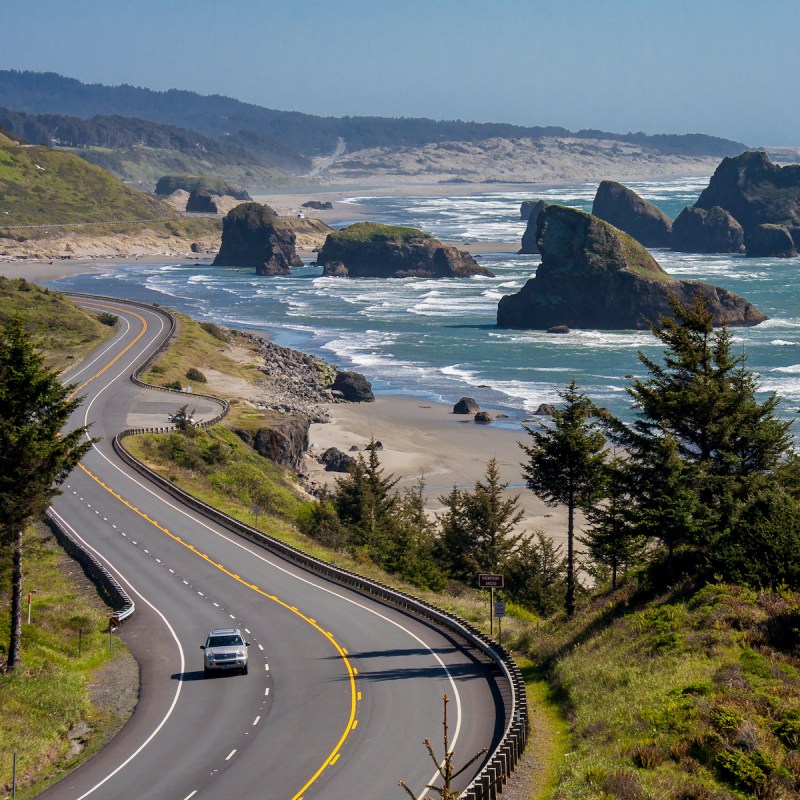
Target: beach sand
{"points": [[420, 438]]}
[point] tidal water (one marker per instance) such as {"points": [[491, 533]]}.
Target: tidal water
{"points": [[437, 338]]}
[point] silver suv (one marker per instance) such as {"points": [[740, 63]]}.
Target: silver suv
{"points": [[225, 648]]}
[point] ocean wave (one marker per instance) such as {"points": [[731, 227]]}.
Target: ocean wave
{"points": [[782, 343]]}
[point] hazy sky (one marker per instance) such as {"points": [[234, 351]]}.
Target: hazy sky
{"points": [[723, 67]]}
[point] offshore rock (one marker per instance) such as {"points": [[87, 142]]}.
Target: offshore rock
{"points": [[755, 191], [254, 236], [772, 241], [354, 387], [624, 209], [529, 244], [593, 275], [283, 440], [715, 231], [373, 250], [466, 405]]}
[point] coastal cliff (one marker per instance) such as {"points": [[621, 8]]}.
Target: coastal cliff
{"points": [[373, 250], [594, 276]]}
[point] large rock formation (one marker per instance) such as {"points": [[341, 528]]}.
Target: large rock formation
{"points": [[529, 245], [594, 276], [201, 201], [625, 210], [772, 241], [373, 250], [715, 231], [254, 236], [755, 191], [283, 438], [353, 387]]}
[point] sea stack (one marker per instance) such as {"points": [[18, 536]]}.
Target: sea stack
{"points": [[593, 275], [373, 250], [254, 236], [624, 209]]}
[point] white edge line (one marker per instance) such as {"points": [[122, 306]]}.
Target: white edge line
{"points": [[179, 686]]}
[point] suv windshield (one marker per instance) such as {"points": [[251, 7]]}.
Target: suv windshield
{"points": [[225, 641]]}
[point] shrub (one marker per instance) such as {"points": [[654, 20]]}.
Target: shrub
{"points": [[214, 330], [647, 756], [194, 374], [107, 319]]}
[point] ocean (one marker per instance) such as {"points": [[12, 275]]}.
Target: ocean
{"points": [[437, 339]]}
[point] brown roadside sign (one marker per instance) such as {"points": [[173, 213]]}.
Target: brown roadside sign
{"points": [[487, 580], [114, 621]]}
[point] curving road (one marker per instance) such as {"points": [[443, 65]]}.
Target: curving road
{"points": [[342, 689]]}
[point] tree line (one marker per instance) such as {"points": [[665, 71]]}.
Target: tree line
{"points": [[703, 484]]}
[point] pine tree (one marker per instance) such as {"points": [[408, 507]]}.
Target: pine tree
{"points": [[491, 520], [611, 540], [565, 466], [365, 501], [536, 574], [701, 441], [34, 457], [455, 549]]}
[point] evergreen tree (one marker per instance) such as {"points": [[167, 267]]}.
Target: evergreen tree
{"points": [[365, 502], [610, 540], [412, 544], [536, 574], [455, 548], [565, 466], [34, 457], [490, 520], [701, 441]]}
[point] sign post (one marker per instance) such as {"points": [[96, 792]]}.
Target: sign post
{"points": [[491, 581]]}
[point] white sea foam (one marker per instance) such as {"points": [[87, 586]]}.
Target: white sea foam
{"points": [[782, 343]]}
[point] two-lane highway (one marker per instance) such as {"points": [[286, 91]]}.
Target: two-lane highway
{"points": [[341, 690]]}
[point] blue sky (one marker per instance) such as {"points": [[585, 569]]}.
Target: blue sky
{"points": [[724, 67]]}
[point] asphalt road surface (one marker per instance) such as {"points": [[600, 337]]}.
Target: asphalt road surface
{"points": [[341, 689]]}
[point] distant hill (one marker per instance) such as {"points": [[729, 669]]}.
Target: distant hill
{"points": [[141, 151], [42, 186], [256, 128]]}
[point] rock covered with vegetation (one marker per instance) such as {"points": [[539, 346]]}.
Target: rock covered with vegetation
{"points": [[714, 231], [594, 276], [624, 209], [254, 236], [529, 238], [374, 250], [189, 183]]}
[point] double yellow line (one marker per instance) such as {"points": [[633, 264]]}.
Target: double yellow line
{"points": [[351, 671]]}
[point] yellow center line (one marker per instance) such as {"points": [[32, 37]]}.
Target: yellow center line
{"points": [[351, 671]]}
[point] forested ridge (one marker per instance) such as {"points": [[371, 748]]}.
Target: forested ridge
{"points": [[252, 126]]}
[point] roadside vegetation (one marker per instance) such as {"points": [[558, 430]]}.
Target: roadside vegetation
{"points": [[63, 703], [676, 675], [40, 309]]}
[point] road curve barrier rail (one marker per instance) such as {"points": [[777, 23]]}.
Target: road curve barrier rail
{"points": [[109, 588], [489, 783]]}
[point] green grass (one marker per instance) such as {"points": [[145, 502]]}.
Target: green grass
{"points": [[200, 346], [39, 185], [49, 693], [690, 695], [361, 232], [63, 331]]}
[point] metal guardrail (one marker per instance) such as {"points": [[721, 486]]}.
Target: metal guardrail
{"points": [[491, 779], [93, 568]]}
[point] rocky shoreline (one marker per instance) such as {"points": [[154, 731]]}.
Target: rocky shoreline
{"points": [[297, 383]]}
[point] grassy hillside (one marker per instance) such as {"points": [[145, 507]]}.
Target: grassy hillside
{"points": [[693, 695], [69, 694], [50, 317], [40, 186]]}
